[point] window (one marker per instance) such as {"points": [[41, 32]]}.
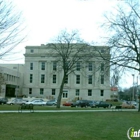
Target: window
{"points": [[31, 50], [65, 94], [53, 91], [89, 92], [42, 65], [54, 78], [41, 91], [54, 65], [42, 78], [30, 90], [102, 66], [90, 79], [90, 66], [66, 79], [77, 93], [102, 92], [78, 66], [102, 79], [31, 66], [77, 79], [31, 78]]}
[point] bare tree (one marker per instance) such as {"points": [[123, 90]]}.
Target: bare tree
{"points": [[68, 49], [11, 27], [124, 36]]}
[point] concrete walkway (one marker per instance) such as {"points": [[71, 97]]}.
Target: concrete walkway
{"points": [[28, 111]]}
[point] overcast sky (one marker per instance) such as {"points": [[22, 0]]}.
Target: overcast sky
{"points": [[46, 18]]}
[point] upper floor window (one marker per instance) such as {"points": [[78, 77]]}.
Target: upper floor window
{"points": [[42, 65], [102, 66], [31, 50], [78, 66], [54, 65], [54, 78], [77, 79], [42, 78], [66, 79], [31, 78], [90, 66], [89, 92], [102, 79], [31, 66], [41, 91], [89, 79]]}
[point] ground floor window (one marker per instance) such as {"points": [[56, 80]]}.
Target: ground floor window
{"points": [[102, 93], [89, 92], [77, 92], [30, 90], [65, 94], [53, 91], [41, 91]]}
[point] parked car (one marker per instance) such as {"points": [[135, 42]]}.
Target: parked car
{"points": [[92, 104], [16, 101], [103, 104], [128, 105], [3, 100], [36, 102], [67, 103], [80, 103], [51, 102]]}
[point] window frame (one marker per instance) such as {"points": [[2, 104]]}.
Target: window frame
{"points": [[54, 79], [42, 78], [89, 92], [31, 78], [78, 79]]}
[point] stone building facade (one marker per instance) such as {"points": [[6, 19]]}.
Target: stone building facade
{"points": [[42, 76]]}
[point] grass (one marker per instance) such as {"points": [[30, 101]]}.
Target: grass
{"points": [[68, 126]]}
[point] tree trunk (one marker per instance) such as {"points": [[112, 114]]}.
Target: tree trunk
{"points": [[61, 92]]}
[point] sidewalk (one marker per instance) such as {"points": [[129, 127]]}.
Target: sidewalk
{"points": [[28, 111]]}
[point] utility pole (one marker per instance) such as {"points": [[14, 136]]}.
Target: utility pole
{"points": [[133, 88]]}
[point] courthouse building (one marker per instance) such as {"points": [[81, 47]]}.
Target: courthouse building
{"points": [[42, 76]]}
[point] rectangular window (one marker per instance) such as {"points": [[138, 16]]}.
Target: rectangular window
{"points": [[54, 78], [66, 79], [31, 50], [41, 91], [90, 67], [102, 66], [31, 78], [65, 94], [31, 66], [53, 91], [102, 79], [30, 90], [42, 65], [77, 92], [77, 79], [78, 66], [54, 65], [102, 92], [90, 79], [89, 92], [42, 78]]}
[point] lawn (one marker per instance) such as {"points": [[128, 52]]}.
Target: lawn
{"points": [[111, 125]]}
